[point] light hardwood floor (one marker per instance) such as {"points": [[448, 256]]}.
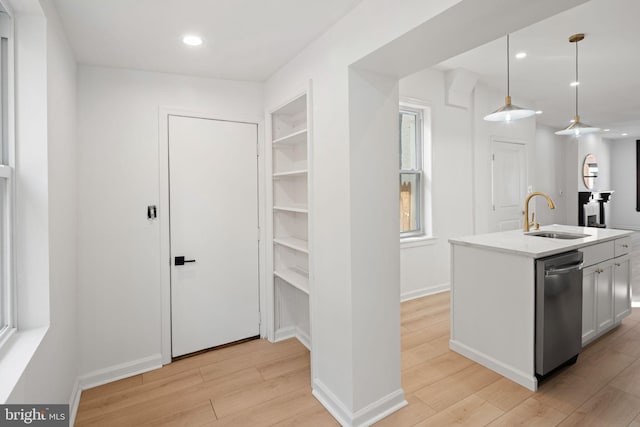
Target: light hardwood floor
{"points": [[262, 384]]}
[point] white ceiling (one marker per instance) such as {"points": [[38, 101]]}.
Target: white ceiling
{"points": [[609, 65], [251, 39], [244, 39]]}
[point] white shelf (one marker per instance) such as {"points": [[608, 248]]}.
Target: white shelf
{"points": [[292, 108], [292, 139], [301, 172], [295, 278], [289, 188], [293, 243], [292, 208]]}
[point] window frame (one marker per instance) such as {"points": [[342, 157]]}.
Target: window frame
{"points": [[423, 167], [8, 314]]}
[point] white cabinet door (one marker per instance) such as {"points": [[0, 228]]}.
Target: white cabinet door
{"points": [[589, 303], [622, 287], [604, 295]]}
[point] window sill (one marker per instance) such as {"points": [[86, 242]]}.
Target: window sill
{"points": [[413, 242], [15, 355]]}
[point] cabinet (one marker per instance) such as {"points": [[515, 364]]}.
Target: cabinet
{"points": [[604, 296], [621, 288], [288, 233], [605, 288]]}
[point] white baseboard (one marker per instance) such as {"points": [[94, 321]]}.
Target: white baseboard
{"points": [[364, 417], [304, 338], [419, 293], [74, 401], [284, 333], [380, 409], [515, 375], [331, 403], [118, 372], [293, 332]]}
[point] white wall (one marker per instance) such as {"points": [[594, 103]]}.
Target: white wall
{"points": [[595, 144], [373, 133], [118, 248], [550, 165], [425, 268], [50, 376], [623, 182], [31, 228], [572, 178]]}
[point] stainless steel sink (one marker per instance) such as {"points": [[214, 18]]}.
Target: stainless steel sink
{"points": [[557, 235]]}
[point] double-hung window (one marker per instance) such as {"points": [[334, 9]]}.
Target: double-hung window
{"points": [[414, 182], [6, 186]]}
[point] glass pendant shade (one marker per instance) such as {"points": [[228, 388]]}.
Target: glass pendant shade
{"points": [[577, 128], [508, 112]]}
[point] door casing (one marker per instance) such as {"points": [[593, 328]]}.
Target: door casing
{"points": [[163, 216]]}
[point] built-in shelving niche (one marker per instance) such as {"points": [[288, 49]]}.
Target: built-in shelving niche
{"points": [[292, 313], [290, 228]]}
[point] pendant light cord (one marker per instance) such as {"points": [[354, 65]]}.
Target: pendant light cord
{"points": [[508, 82], [577, 81]]}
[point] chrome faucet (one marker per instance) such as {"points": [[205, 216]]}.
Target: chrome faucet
{"points": [[528, 224]]}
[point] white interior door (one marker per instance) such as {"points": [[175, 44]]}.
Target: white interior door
{"points": [[213, 190], [509, 185]]}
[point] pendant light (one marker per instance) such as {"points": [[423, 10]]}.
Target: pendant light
{"points": [[577, 128], [508, 111]]}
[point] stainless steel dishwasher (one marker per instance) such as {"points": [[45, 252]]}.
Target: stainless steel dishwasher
{"points": [[558, 311]]}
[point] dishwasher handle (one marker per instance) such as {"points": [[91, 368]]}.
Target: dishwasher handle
{"points": [[564, 270]]}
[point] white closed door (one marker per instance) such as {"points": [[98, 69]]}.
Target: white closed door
{"points": [[508, 185], [213, 190]]}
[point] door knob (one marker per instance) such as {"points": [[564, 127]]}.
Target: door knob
{"points": [[179, 260]]}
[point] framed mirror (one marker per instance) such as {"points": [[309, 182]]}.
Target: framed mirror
{"points": [[590, 171]]}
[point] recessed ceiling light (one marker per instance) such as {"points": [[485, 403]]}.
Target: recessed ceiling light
{"points": [[192, 40], [574, 84], [539, 112], [521, 55], [625, 134], [606, 130], [572, 121]]}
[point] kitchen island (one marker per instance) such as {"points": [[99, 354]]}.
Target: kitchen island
{"points": [[493, 293]]}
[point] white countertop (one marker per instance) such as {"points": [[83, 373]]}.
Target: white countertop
{"points": [[517, 242]]}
